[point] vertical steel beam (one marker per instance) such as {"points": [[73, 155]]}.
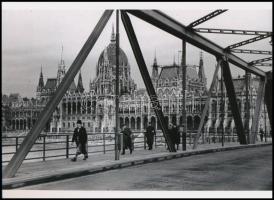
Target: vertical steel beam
{"points": [[247, 83], [256, 117], [233, 101], [268, 97], [184, 66], [222, 105], [117, 88], [31, 137], [195, 144], [146, 78]]}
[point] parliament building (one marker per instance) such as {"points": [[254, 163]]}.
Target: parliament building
{"points": [[95, 106]]}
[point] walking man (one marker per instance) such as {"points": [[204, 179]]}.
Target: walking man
{"points": [[80, 138], [171, 134], [127, 139], [150, 133], [262, 135], [176, 135]]}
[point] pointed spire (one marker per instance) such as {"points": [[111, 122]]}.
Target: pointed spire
{"points": [[41, 80], [112, 39], [62, 61], [80, 87], [155, 67], [174, 63], [155, 59], [201, 72], [62, 52], [41, 73]]}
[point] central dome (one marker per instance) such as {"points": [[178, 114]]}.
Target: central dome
{"points": [[109, 55], [104, 82]]}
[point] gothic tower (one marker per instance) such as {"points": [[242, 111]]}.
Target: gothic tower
{"points": [[155, 70], [80, 87], [40, 85], [61, 69], [201, 72]]}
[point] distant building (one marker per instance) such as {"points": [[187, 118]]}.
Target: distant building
{"points": [[96, 107]]}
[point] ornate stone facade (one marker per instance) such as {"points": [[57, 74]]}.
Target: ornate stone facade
{"points": [[96, 107]]}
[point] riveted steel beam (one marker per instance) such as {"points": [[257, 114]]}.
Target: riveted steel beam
{"points": [[233, 102], [245, 42], [249, 51], [206, 18], [256, 117], [170, 25], [117, 88], [31, 137], [254, 62], [263, 65], [268, 97], [195, 143], [231, 31], [146, 78]]}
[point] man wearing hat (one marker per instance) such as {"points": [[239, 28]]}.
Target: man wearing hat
{"points": [[150, 133], [80, 138], [127, 139]]}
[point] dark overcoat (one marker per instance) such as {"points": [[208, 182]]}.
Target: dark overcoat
{"points": [[176, 135], [127, 141], [150, 132], [80, 136]]}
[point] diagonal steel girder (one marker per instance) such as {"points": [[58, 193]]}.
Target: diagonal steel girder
{"points": [[231, 31], [205, 18], [254, 62], [250, 51], [195, 143], [170, 25], [31, 137], [257, 112], [263, 65], [147, 80], [245, 42], [233, 101], [268, 96]]}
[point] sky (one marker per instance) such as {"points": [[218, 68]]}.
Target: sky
{"points": [[33, 35]]}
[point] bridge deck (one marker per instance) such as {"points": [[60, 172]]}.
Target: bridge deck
{"points": [[44, 171]]}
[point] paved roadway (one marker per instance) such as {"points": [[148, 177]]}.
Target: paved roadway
{"points": [[244, 169]]}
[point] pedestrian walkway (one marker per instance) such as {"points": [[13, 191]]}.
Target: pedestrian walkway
{"points": [[51, 170]]}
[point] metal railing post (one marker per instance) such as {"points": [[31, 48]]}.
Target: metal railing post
{"points": [[104, 143], [184, 141], [155, 139], [145, 147], [44, 147], [67, 146], [16, 143]]}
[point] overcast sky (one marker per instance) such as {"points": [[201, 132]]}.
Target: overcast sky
{"points": [[33, 34]]}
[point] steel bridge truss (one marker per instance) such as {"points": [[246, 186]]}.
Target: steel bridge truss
{"points": [[175, 28]]}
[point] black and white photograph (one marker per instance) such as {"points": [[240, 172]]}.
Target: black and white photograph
{"points": [[136, 99]]}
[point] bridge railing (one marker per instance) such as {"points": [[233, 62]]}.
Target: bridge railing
{"points": [[58, 145]]}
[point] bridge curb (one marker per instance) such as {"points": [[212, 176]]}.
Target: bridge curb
{"points": [[11, 183]]}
